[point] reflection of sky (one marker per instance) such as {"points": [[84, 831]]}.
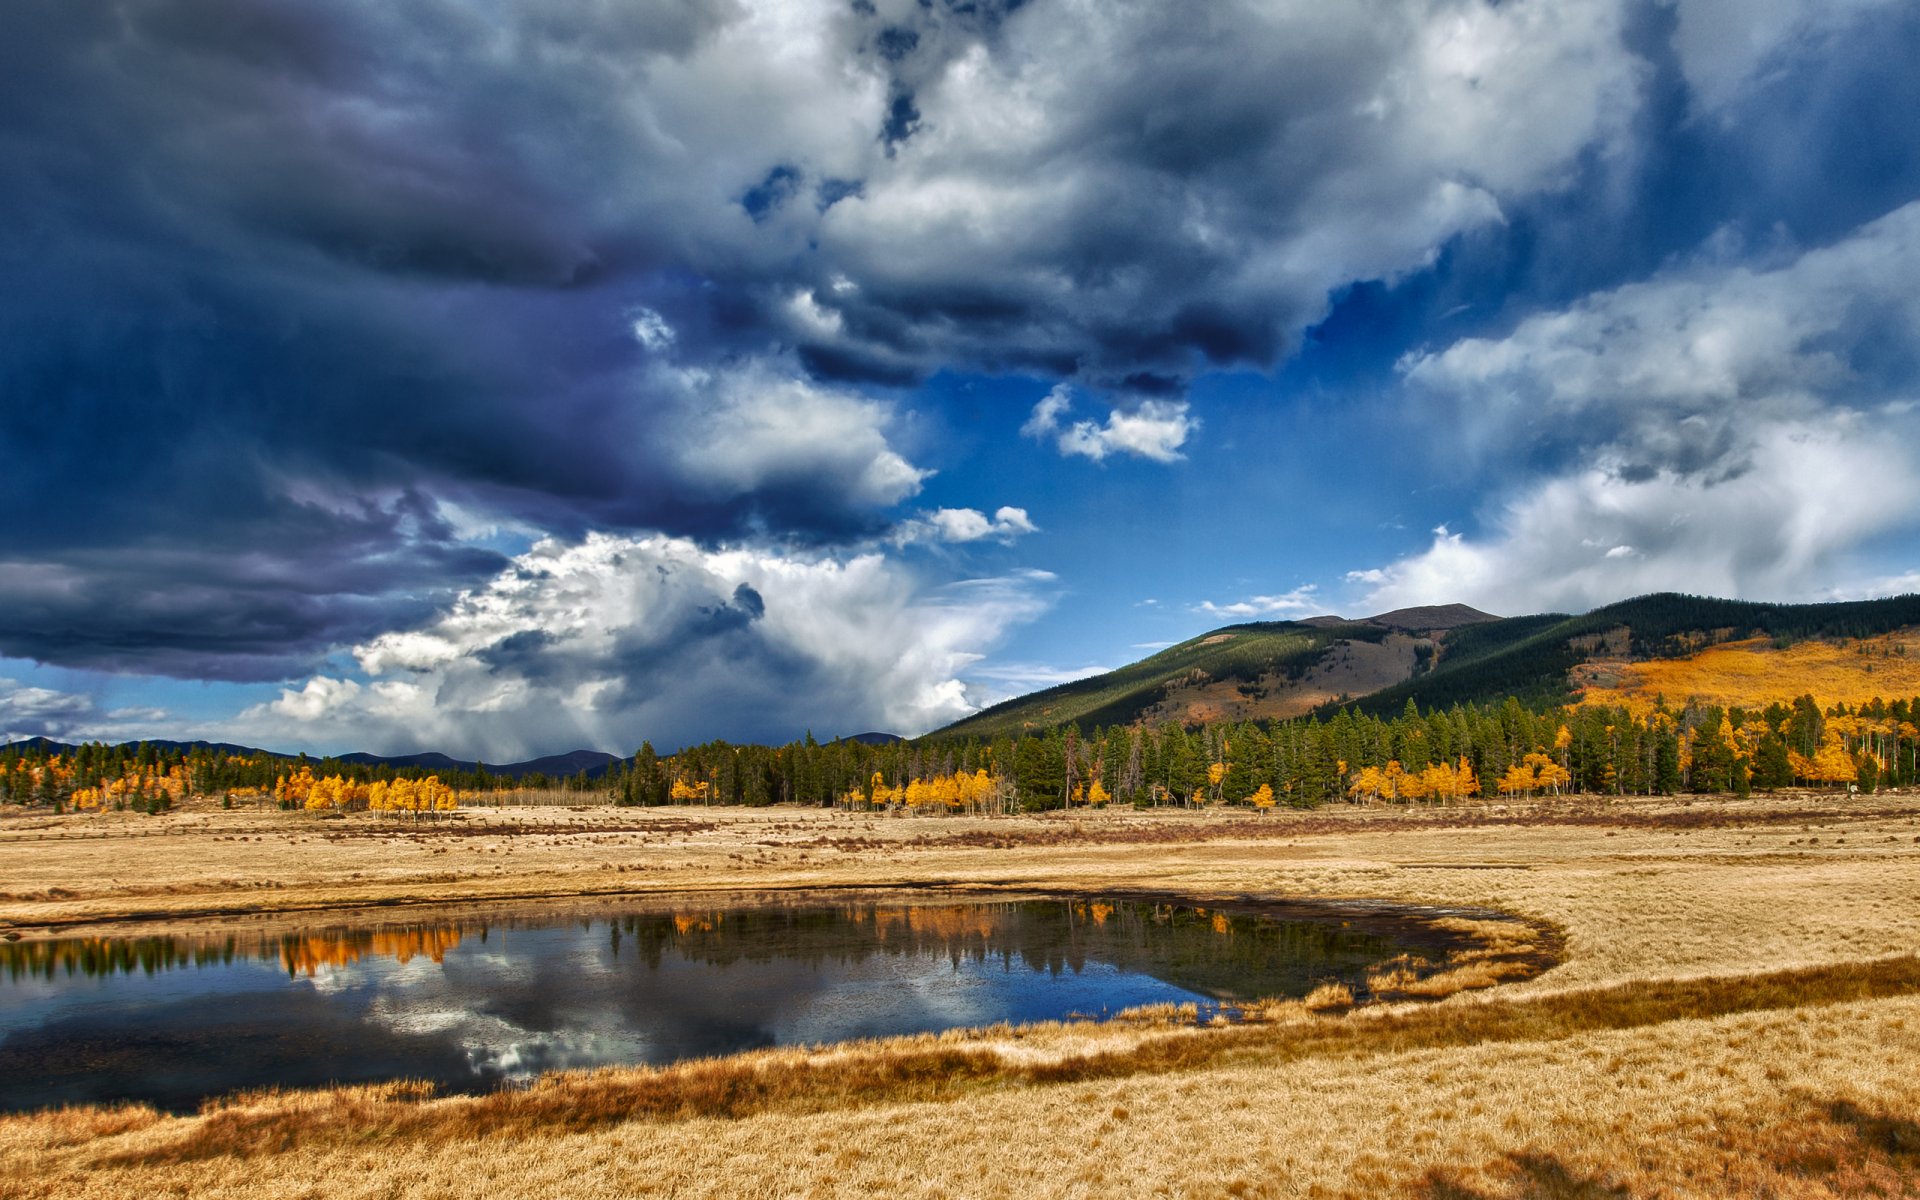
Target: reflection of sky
{"points": [[516, 1001]]}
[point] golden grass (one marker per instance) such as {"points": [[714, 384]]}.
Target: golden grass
{"points": [[1737, 1012], [948, 1067]]}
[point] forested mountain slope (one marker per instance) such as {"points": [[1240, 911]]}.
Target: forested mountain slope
{"points": [[1741, 653], [1258, 671], [1743, 645]]}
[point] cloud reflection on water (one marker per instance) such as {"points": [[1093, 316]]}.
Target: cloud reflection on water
{"points": [[474, 1003]]}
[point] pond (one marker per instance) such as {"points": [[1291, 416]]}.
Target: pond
{"points": [[476, 1002]]}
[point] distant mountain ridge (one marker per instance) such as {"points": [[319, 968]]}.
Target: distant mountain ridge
{"points": [[1434, 655], [593, 762]]}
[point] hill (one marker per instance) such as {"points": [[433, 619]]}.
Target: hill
{"points": [[593, 762], [1724, 651], [1263, 670]]}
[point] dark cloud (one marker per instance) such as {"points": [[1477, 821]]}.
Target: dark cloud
{"points": [[303, 296]]}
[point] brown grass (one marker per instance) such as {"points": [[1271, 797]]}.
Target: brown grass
{"points": [[939, 1070], [1807, 1147], [1737, 1012]]}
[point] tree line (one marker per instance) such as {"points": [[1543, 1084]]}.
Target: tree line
{"points": [[1427, 755], [1431, 755]]}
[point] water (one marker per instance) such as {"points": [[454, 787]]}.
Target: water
{"points": [[479, 1002]]}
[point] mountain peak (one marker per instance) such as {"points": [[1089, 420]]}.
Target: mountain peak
{"points": [[1432, 616]]}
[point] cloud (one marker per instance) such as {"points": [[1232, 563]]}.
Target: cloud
{"points": [[794, 451], [27, 712], [1782, 530], [651, 330], [1151, 429], [42, 712], [300, 281], [1198, 207], [961, 525], [1725, 429], [1726, 47], [1681, 372], [323, 297], [612, 639], [210, 603], [1004, 681], [1300, 600]]}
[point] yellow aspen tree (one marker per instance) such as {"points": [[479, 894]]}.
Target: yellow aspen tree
{"points": [[1466, 783]]}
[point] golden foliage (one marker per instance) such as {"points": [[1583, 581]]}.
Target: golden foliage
{"points": [[943, 793], [1753, 673]]}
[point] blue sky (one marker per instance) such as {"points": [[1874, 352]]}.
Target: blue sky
{"points": [[504, 380]]}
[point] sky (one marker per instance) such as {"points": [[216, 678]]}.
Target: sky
{"points": [[503, 379]]}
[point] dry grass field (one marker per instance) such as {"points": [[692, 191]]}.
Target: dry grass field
{"points": [[1735, 1011]]}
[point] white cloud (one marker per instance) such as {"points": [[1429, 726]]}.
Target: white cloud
{"points": [[759, 426], [1725, 430], [1285, 604], [1906, 583], [28, 711], [1045, 419], [1679, 371], [651, 330], [615, 639], [966, 525], [1726, 47], [1782, 530], [317, 698], [1151, 429], [989, 685]]}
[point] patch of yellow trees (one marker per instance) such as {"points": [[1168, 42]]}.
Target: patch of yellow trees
{"points": [[337, 793], [1440, 782], [171, 783], [958, 792]]}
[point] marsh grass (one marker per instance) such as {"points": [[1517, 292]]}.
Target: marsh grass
{"points": [[942, 1068], [1735, 1012], [1807, 1147]]}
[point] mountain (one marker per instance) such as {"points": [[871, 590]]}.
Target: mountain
{"points": [[1262, 670], [163, 745], [1547, 658], [1446, 654], [1433, 618], [593, 762]]}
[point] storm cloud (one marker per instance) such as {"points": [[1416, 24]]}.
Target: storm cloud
{"points": [[300, 284], [340, 331]]}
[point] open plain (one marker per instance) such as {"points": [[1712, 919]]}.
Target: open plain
{"points": [[1729, 1005]]}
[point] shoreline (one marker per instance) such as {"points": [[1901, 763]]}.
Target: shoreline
{"points": [[1735, 980]]}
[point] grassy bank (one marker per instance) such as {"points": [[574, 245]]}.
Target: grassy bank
{"points": [[1737, 1011]]}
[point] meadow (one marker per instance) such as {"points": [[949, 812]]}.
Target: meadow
{"points": [[1730, 1006]]}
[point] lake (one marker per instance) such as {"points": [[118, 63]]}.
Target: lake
{"points": [[475, 1002]]}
